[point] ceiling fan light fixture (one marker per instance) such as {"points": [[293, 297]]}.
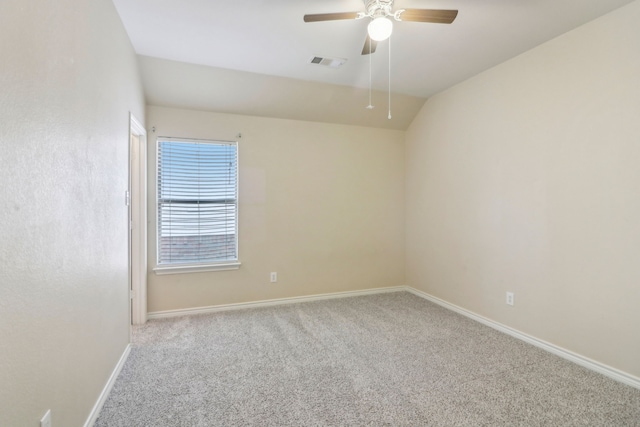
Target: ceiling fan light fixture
{"points": [[380, 28]]}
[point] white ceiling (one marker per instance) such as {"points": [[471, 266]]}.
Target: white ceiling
{"points": [[269, 37]]}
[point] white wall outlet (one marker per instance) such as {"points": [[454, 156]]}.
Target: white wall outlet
{"points": [[510, 298], [46, 420], [274, 277]]}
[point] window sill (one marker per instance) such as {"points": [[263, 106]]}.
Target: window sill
{"points": [[195, 268]]}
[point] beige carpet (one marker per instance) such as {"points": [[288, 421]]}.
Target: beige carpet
{"points": [[381, 360]]}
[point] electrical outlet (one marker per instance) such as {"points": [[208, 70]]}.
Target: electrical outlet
{"points": [[510, 298], [274, 277], [46, 420]]}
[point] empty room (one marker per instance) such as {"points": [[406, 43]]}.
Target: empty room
{"points": [[319, 213]]}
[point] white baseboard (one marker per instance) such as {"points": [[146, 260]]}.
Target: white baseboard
{"points": [[601, 368], [93, 415], [269, 303]]}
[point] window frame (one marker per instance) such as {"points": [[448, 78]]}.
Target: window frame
{"points": [[193, 267]]}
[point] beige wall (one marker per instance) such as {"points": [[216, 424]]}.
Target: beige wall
{"points": [[68, 79], [526, 178], [321, 204]]}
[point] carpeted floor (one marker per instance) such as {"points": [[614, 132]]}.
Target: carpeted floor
{"points": [[381, 360]]}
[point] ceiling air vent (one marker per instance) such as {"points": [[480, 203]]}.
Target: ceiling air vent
{"points": [[328, 62]]}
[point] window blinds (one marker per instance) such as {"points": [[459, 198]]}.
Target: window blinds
{"points": [[197, 201]]}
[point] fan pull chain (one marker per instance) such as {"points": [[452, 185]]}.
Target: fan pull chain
{"points": [[370, 107], [389, 116]]}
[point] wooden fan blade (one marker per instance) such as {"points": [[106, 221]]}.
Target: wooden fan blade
{"points": [[330, 16], [369, 46], [438, 16]]}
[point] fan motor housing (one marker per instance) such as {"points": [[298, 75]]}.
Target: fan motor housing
{"points": [[377, 8]]}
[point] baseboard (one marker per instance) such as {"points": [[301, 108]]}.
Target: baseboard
{"points": [[601, 368], [93, 415], [269, 303]]}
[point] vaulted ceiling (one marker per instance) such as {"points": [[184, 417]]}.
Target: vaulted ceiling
{"points": [[252, 56]]}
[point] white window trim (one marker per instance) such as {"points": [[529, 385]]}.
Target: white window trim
{"points": [[160, 270], [195, 268]]}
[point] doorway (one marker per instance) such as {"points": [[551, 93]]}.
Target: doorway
{"points": [[137, 201]]}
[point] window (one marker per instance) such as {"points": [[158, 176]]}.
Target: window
{"points": [[197, 205]]}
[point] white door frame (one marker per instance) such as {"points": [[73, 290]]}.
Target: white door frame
{"points": [[137, 220]]}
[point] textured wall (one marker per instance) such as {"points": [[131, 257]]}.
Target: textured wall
{"points": [[321, 204], [525, 179], [68, 79]]}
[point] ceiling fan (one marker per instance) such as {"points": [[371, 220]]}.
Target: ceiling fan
{"points": [[380, 27]]}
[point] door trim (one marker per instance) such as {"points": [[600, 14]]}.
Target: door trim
{"points": [[138, 220]]}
